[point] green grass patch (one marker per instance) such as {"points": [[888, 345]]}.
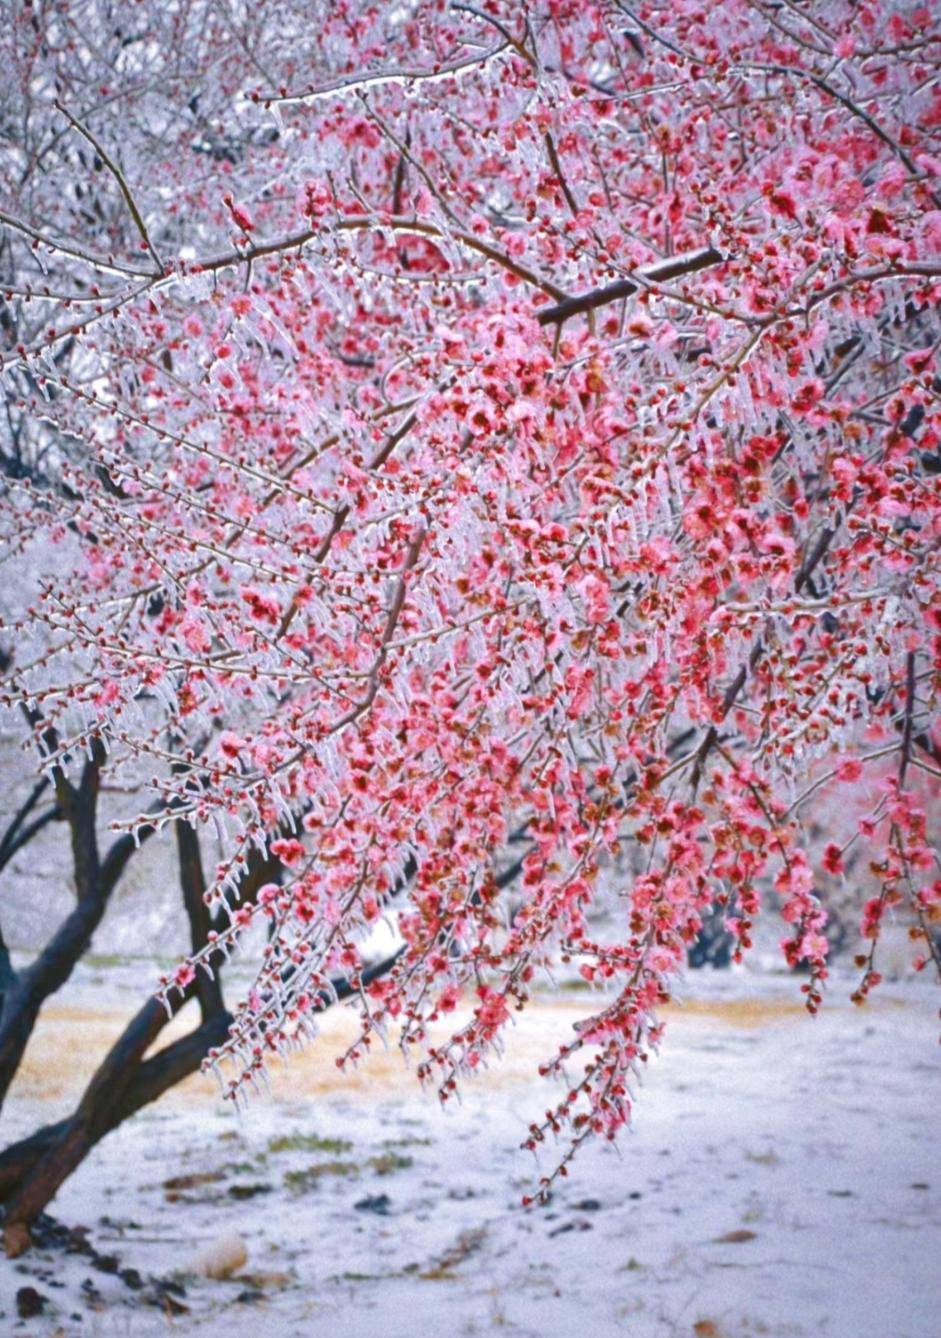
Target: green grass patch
{"points": [[299, 1181], [387, 1163], [308, 1143]]}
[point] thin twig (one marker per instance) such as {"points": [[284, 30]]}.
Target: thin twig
{"points": [[119, 178]]}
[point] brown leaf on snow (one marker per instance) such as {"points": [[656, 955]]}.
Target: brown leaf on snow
{"points": [[466, 1243]]}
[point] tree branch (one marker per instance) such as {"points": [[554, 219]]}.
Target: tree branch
{"points": [[193, 884], [27, 833], [909, 716], [119, 178], [18, 818], [661, 272]]}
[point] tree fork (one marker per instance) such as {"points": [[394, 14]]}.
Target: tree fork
{"points": [[33, 1170], [26, 991]]}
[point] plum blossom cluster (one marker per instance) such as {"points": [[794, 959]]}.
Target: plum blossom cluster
{"points": [[502, 483]]}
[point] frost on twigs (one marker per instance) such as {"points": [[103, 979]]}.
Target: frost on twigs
{"points": [[510, 506]]}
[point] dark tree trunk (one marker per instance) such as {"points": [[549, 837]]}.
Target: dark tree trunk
{"points": [[713, 945], [109, 1092], [24, 993], [33, 1170], [152, 1078]]}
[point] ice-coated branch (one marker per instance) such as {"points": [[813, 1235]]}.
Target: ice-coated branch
{"points": [[661, 272]]}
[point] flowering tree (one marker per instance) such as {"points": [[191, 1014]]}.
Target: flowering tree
{"points": [[457, 445]]}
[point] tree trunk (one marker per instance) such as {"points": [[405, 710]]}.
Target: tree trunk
{"points": [[152, 1078], [25, 992], [123, 1083], [32, 1170]]}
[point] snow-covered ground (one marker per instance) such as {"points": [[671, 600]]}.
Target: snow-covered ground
{"points": [[782, 1178]]}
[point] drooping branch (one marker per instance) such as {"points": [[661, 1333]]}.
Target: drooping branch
{"points": [[371, 79]]}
